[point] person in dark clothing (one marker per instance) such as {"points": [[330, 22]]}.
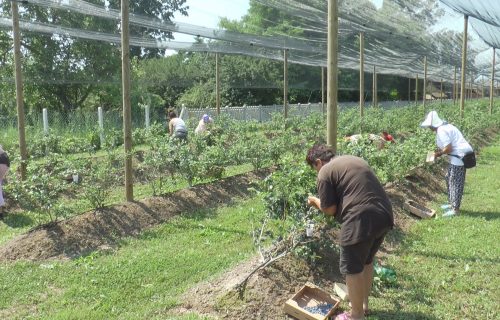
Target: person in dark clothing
{"points": [[4, 167], [350, 191]]}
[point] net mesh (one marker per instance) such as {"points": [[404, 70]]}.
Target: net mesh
{"points": [[397, 36]]}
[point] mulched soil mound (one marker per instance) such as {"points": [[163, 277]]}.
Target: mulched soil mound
{"points": [[101, 230]]}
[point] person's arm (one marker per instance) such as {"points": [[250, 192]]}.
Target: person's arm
{"points": [[445, 150], [170, 127], [316, 202]]}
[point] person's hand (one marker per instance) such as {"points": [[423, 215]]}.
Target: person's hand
{"points": [[313, 202]]}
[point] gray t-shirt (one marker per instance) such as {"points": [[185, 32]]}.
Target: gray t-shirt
{"points": [[363, 208]]}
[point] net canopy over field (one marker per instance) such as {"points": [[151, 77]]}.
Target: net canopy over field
{"points": [[396, 36]]}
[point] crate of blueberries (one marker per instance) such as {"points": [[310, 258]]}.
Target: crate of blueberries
{"points": [[311, 303]]}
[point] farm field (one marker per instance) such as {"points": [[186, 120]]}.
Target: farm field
{"points": [[148, 260], [170, 159], [441, 266]]}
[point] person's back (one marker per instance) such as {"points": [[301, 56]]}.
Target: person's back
{"points": [[362, 204], [177, 126], [449, 134]]}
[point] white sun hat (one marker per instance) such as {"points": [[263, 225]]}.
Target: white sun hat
{"points": [[432, 120]]}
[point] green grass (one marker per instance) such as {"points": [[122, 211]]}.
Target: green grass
{"points": [[450, 268], [142, 279]]}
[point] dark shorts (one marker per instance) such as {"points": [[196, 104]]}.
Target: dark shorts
{"points": [[353, 258]]}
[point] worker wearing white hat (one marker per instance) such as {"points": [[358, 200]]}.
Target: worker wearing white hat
{"points": [[452, 143]]}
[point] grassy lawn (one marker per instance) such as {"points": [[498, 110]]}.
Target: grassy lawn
{"points": [[142, 279], [450, 268]]}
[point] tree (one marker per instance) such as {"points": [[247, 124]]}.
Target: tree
{"points": [[60, 72]]}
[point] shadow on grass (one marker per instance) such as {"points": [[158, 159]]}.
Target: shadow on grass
{"points": [[485, 215], [399, 315], [457, 259], [16, 220]]}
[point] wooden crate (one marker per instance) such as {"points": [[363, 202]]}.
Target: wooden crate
{"points": [[310, 296], [418, 209]]}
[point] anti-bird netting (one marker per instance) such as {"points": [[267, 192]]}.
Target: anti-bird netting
{"points": [[397, 36]]}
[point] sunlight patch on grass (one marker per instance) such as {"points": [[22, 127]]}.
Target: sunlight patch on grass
{"points": [[142, 279]]}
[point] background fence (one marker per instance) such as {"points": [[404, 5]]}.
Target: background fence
{"points": [[77, 122]]}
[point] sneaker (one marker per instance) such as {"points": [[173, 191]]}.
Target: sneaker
{"points": [[449, 213], [446, 206]]}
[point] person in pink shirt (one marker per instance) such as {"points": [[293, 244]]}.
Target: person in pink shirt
{"points": [[4, 167]]}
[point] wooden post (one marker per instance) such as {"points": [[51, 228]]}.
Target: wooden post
{"points": [[425, 82], [285, 82], [333, 29], [455, 86], [19, 89], [464, 64], [361, 74], [492, 85], [217, 83], [416, 91], [127, 117], [323, 89]]}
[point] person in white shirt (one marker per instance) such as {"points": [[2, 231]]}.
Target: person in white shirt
{"points": [[203, 124], [176, 126], [452, 143]]}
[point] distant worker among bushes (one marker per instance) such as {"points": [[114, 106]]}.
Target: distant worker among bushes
{"points": [[388, 137], [452, 143], [350, 191], [176, 126], [4, 167], [377, 140], [204, 124]]}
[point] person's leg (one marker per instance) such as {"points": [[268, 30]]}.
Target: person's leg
{"points": [[447, 179], [368, 280], [356, 290], [456, 190], [352, 265]]}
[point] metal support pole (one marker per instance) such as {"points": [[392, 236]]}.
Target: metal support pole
{"points": [[409, 90], [464, 65], [285, 83], [332, 60], [374, 87], [441, 94], [492, 85], [19, 89], [455, 86], [217, 83], [361, 73], [127, 116], [416, 91], [425, 82], [323, 89]]}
